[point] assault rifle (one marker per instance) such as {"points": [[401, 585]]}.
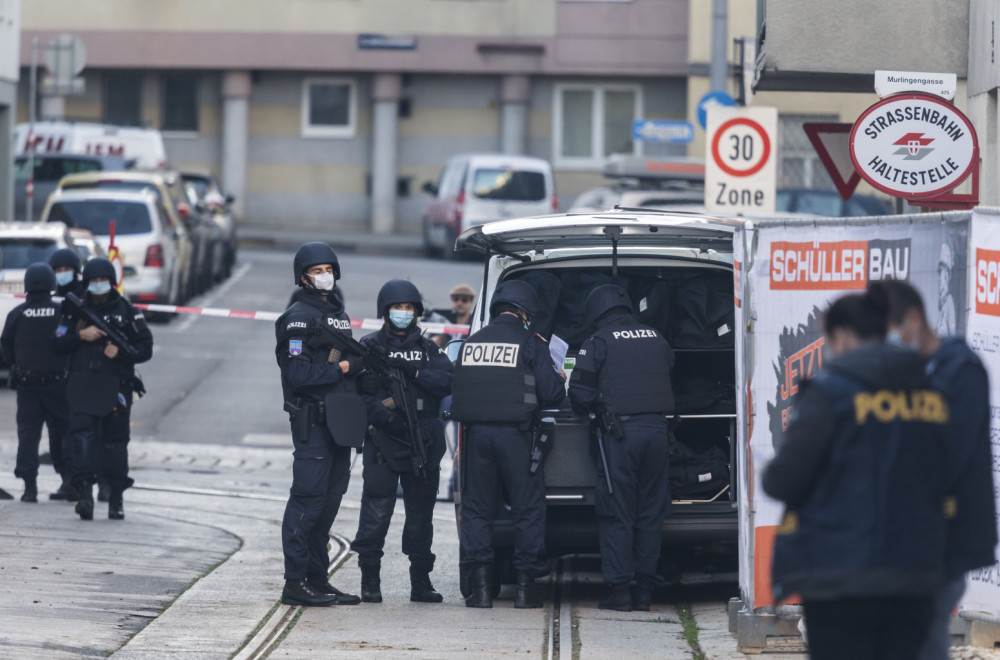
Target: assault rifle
{"points": [[114, 335], [376, 359]]}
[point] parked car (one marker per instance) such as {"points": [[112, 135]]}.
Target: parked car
{"points": [[24, 243], [478, 188], [141, 146], [678, 270], [48, 170], [646, 182], [219, 208], [184, 227], [152, 269], [829, 203]]}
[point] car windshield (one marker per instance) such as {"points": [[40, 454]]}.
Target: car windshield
{"points": [[97, 216], [18, 253], [200, 185], [508, 185]]}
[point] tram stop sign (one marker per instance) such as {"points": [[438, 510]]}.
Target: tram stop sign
{"points": [[740, 164]]}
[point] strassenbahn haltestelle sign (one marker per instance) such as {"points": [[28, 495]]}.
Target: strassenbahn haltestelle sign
{"points": [[913, 145]]}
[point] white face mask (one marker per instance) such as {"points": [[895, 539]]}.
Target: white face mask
{"points": [[99, 288], [323, 281], [64, 277], [895, 337]]}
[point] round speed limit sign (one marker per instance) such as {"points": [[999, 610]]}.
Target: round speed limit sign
{"points": [[740, 170]]}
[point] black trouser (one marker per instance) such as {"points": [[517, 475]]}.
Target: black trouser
{"points": [[867, 628], [320, 473], [37, 405], [100, 446], [498, 456], [378, 500], [630, 521]]}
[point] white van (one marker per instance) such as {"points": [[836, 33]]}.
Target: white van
{"points": [[478, 188], [142, 147]]}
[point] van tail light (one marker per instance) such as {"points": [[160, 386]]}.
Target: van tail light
{"points": [[154, 256], [147, 296], [555, 203], [459, 205]]}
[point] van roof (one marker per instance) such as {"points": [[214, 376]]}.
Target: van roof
{"points": [[504, 160]]}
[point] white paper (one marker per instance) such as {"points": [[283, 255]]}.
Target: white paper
{"points": [[558, 349]]}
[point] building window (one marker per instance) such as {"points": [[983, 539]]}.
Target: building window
{"points": [[591, 122], [799, 165], [123, 99], [180, 103], [328, 108]]}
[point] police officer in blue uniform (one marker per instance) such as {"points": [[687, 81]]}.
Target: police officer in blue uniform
{"points": [[387, 459], [622, 376], [862, 472], [40, 378], [503, 377], [311, 370], [100, 388]]}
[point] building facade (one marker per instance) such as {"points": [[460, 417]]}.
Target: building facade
{"points": [[10, 35], [331, 114]]}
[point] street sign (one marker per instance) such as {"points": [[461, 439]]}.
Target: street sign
{"points": [[894, 82], [740, 167], [653, 130], [832, 145], [65, 57], [913, 145], [711, 100]]}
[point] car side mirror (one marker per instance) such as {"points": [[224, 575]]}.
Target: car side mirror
{"points": [[454, 349], [430, 188]]}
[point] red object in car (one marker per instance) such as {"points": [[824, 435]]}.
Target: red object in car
{"points": [[183, 210], [154, 256]]}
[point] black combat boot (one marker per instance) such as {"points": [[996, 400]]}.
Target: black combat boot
{"points": [[116, 506], [643, 595], [481, 587], [322, 585], [527, 595], [103, 491], [371, 582], [300, 592], [65, 492], [85, 505], [30, 491], [421, 589], [619, 599]]}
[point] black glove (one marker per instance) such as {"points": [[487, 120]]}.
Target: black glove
{"points": [[354, 364], [369, 382], [408, 369], [396, 425]]}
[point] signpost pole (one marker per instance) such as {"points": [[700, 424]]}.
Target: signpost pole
{"points": [[32, 92]]}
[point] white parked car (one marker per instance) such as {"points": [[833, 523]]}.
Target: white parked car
{"points": [[142, 235]]}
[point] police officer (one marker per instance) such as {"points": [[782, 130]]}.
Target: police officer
{"points": [[862, 472], [622, 376], [100, 387], [66, 265], [40, 378], [387, 458], [503, 377], [311, 369]]}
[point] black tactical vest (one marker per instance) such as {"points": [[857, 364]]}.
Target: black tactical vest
{"points": [[33, 340], [635, 377], [493, 382]]}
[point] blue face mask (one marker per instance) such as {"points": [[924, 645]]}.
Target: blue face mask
{"points": [[895, 338], [99, 288], [64, 277], [400, 318]]}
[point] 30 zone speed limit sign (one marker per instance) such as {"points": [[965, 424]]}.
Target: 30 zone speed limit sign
{"points": [[740, 166]]}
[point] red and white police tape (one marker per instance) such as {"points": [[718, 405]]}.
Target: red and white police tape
{"points": [[362, 324]]}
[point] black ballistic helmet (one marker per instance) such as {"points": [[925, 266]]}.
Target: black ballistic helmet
{"points": [[99, 267], [39, 278], [518, 293], [602, 300], [395, 292], [64, 257], [311, 254]]}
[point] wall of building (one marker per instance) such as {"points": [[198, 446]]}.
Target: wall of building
{"points": [[983, 84], [10, 35]]}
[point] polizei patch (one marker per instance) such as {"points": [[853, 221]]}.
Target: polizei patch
{"points": [[295, 347], [490, 355], [913, 145]]}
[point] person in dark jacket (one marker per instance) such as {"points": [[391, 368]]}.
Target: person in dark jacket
{"points": [[40, 377], [100, 387], [387, 456], [959, 373], [314, 377], [504, 376], [622, 375], [65, 263], [861, 473]]}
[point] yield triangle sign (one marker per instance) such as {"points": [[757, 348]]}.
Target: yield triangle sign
{"points": [[831, 142]]}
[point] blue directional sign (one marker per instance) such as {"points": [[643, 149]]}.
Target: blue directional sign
{"points": [[709, 100], [655, 130]]}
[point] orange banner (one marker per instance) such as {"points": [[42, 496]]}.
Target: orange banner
{"points": [[837, 266], [988, 282]]}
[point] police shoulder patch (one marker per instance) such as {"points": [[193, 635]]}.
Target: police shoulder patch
{"points": [[61, 330], [294, 346]]}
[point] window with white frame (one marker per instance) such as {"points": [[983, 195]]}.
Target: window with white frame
{"points": [[591, 122], [328, 107]]}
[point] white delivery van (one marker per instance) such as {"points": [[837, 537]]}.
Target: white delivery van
{"points": [[142, 147]]}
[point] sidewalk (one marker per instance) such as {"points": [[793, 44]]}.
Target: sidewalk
{"points": [[367, 243]]}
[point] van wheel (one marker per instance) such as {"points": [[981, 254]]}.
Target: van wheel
{"points": [[448, 251], [431, 251]]}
